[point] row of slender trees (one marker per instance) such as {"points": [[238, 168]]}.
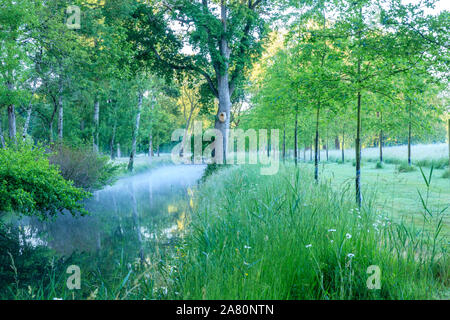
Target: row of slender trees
{"points": [[371, 70]]}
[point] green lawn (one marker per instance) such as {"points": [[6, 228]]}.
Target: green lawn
{"points": [[396, 193]]}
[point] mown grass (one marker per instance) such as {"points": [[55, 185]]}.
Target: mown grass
{"points": [[286, 237]]}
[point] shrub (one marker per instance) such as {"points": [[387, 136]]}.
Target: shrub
{"points": [[379, 165], [446, 174], [405, 167], [84, 167], [30, 185]]}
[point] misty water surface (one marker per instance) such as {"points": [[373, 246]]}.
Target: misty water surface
{"points": [[131, 216]]}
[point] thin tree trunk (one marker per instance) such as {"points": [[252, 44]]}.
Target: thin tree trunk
{"points": [[96, 125], [343, 145], [2, 139], [448, 128], [157, 150], [119, 153], [50, 126], [381, 138], [284, 144], [337, 143], [113, 138], [27, 122], [326, 142], [316, 146], [296, 138], [135, 134], [61, 111], [12, 117], [150, 146], [12, 123], [358, 153], [409, 135]]}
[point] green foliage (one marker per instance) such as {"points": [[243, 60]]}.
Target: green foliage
{"points": [[86, 168], [405, 167], [379, 165], [30, 185]]}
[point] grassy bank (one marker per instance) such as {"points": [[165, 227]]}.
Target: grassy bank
{"points": [[284, 237]]}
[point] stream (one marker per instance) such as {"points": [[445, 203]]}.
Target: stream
{"points": [[134, 216]]}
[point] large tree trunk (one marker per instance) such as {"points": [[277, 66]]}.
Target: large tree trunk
{"points": [[135, 134], [358, 152], [96, 125], [316, 145], [222, 122]]}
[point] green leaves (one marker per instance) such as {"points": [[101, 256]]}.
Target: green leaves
{"points": [[30, 185]]}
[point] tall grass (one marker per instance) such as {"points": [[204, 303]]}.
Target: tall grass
{"points": [[286, 237]]}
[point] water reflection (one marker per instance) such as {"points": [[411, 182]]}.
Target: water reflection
{"points": [[131, 215]]}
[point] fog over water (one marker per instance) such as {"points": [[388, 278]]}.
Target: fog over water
{"points": [[130, 215]]}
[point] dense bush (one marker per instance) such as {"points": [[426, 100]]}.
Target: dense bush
{"points": [[29, 184], [84, 167]]}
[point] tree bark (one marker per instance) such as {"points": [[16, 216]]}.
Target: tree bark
{"points": [[222, 122], [135, 133]]}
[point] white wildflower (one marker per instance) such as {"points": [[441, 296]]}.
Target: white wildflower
{"points": [[348, 235], [308, 246]]}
